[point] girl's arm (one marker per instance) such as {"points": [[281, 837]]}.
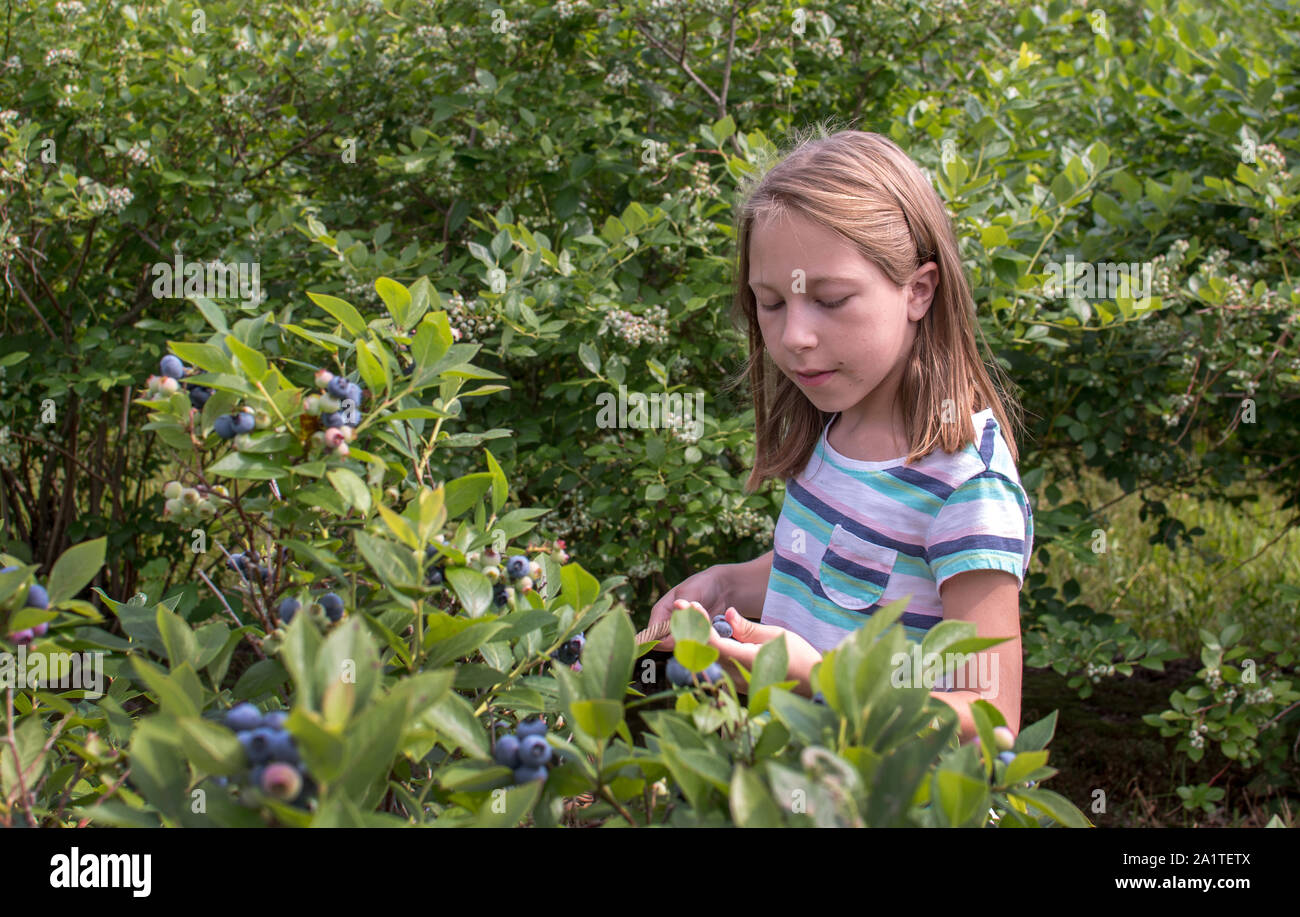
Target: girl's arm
{"points": [[746, 585], [990, 599]]}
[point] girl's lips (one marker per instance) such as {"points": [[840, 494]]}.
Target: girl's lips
{"points": [[816, 378]]}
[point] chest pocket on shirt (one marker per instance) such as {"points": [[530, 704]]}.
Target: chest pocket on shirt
{"points": [[854, 572]]}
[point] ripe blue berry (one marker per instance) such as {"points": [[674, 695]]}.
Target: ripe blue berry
{"points": [[244, 717], [517, 566], [819, 698], [37, 597], [41, 629], [275, 719], [1007, 757], [243, 422], [282, 747], [353, 394], [507, 751], [534, 751], [288, 608], [333, 606], [525, 774], [533, 726], [224, 426], [713, 674], [723, 628], [257, 743], [172, 366], [199, 395], [499, 595], [678, 673], [338, 388]]}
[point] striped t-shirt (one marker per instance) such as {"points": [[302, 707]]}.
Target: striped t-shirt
{"points": [[854, 536]]}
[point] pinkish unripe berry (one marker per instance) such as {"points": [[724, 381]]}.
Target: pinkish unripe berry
{"points": [[168, 386], [311, 404], [323, 378], [333, 438]]}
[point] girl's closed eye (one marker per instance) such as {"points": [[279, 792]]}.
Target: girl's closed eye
{"points": [[828, 305]]}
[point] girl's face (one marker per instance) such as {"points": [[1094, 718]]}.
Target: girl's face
{"points": [[844, 340]]}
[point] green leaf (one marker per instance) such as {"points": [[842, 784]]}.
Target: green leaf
{"points": [[343, 311], [432, 341], [397, 299], [454, 719], [577, 587], [74, 569], [252, 361], [464, 492], [608, 657], [177, 638], [347, 667], [689, 624], [590, 359], [598, 718], [960, 796], [696, 657], [500, 487], [752, 806], [248, 466], [302, 642], [372, 371], [212, 748], [472, 588], [1035, 737], [260, 678], [351, 488]]}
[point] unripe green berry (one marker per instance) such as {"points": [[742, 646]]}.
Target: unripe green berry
{"points": [[173, 490]]}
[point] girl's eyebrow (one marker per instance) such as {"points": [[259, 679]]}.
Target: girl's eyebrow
{"points": [[812, 281]]}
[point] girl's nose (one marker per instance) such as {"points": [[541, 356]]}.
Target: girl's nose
{"points": [[799, 330]]}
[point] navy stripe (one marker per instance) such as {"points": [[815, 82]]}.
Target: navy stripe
{"points": [[792, 569], [923, 481], [986, 444], [976, 542], [831, 516], [857, 571]]}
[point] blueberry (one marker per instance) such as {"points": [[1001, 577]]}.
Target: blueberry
{"points": [[525, 774], [499, 594], [37, 597], [353, 394], [517, 566], [723, 628], [1007, 757], [275, 719], [333, 606], [534, 751], [258, 743], [8, 569], [533, 726], [436, 574], [224, 426], [41, 629], [282, 747], [243, 422], [237, 562], [172, 366], [244, 717], [199, 395], [337, 388], [507, 751], [578, 643], [819, 698], [288, 608], [255, 775], [678, 673], [713, 674], [22, 637]]}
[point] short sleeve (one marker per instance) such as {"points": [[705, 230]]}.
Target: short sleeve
{"points": [[985, 524]]}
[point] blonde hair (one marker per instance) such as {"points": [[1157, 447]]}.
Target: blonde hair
{"points": [[866, 189]]}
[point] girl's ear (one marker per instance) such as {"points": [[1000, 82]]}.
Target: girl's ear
{"points": [[923, 285]]}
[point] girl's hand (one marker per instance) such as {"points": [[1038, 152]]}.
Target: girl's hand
{"points": [[705, 589], [747, 637]]}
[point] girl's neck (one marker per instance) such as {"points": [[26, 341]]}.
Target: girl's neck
{"points": [[873, 430]]}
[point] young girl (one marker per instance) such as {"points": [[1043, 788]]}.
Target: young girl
{"points": [[871, 401]]}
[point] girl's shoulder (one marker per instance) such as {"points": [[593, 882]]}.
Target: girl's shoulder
{"points": [[987, 454]]}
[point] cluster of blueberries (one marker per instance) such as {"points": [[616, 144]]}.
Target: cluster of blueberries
{"points": [[680, 676], [721, 626], [228, 426], [173, 371], [37, 597], [525, 751], [330, 603], [337, 410], [272, 754], [246, 562]]}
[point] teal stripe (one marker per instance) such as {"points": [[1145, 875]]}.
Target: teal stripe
{"points": [[978, 560], [987, 489]]}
